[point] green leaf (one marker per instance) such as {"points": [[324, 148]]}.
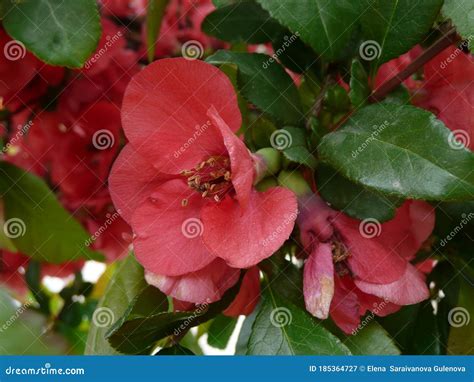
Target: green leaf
{"points": [[175, 350], [359, 84], [325, 25], [293, 53], [295, 148], [461, 318], [23, 331], [281, 328], [403, 151], [140, 334], [388, 30], [39, 226], [220, 331], [353, 199], [154, 16], [461, 13], [371, 340], [5, 241], [264, 83], [244, 21], [58, 32], [242, 342], [127, 282]]}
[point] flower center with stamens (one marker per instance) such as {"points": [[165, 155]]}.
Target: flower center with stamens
{"points": [[211, 178], [339, 256]]}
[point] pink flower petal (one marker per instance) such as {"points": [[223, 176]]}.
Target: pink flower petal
{"points": [[409, 289], [248, 296], [164, 112], [168, 233], [201, 287], [245, 237], [318, 281]]}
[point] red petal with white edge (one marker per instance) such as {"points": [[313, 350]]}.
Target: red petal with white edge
{"points": [[168, 237], [369, 260], [410, 289], [241, 162], [201, 287], [248, 296], [318, 281], [131, 181], [164, 112], [243, 238], [345, 307]]}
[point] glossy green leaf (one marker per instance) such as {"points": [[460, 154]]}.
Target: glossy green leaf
{"points": [[126, 283], [264, 83], [371, 340], [58, 32], [389, 32], [403, 151], [154, 16], [139, 334], [220, 331], [359, 84], [325, 25], [353, 199], [461, 13], [461, 319], [296, 150], [37, 223], [282, 328], [175, 350], [243, 21]]}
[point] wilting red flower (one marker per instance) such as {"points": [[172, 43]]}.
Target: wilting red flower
{"points": [[356, 266], [184, 180], [448, 92]]}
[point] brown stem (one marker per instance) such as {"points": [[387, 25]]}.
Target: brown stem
{"points": [[441, 44]]}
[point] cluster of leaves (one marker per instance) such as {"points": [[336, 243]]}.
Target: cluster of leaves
{"points": [[320, 41]]}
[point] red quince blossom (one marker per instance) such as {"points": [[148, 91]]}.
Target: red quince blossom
{"points": [[448, 91], [351, 270], [185, 182], [181, 24]]}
